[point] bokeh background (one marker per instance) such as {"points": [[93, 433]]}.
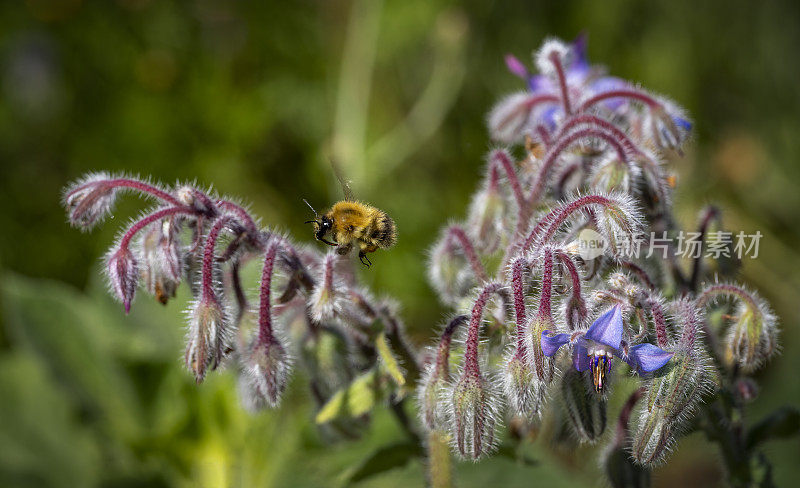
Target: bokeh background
{"points": [[252, 98]]}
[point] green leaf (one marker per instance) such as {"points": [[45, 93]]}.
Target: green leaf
{"points": [[384, 459], [358, 398], [780, 424], [389, 361], [71, 335]]}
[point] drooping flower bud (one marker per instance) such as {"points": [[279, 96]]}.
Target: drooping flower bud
{"points": [[586, 411], [485, 219], [475, 413], [266, 367], [450, 272], [89, 200], [673, 393], [206, 336], [162, 263], [753, 337], [431, 391], [123, 275], [327, 298], [525, 393], [613, 174]]}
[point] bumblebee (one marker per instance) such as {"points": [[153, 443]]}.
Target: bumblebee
{"points": [[352, 223]]}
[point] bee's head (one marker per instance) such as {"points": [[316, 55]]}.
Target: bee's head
{"points": [[323, 225]]}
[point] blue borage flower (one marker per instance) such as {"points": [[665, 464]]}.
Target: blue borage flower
{"points": [[595, 348]]}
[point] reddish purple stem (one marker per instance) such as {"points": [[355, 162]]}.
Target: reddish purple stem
{"points": [[207, 280], [660, 322], [134, 184], [149, 219], [501, 158], [473, 334], [519, 302], [265, 335], [458, 233], [562, 82], [632, 94], [550, 223], [240, 212], [561, 145], [443, 351]]}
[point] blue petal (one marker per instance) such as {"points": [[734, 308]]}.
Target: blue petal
{"points": [[581, 61], [647, 357], [538, 83], [550, 344], [580, 357], [608, 328], [607, 84], [682, 123]]}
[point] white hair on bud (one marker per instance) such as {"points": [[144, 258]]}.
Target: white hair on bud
{"points": [[542, 57], [510, 118]]}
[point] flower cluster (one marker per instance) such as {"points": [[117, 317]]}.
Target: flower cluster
{"points": [[593, 152], [193, 236], [536, 324]]}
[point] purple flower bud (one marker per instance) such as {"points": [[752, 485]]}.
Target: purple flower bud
{"points": [[123, 275], [265, 370], [89, 200], [207, 336], [475, 413], [516, 67]]}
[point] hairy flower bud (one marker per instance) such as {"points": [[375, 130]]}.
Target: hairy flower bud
{"points": [[162, 263], [670, 399], [265, 369], [475, 412], [485, 219], [753, 336], [525, 393], [542, 365], [450, 272], [206, 337], [613, 174], [586, 411], [89, 200], [123, 275], [327, 298]]}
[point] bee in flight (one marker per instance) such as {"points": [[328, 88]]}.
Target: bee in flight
{"points": [[352, 223]]}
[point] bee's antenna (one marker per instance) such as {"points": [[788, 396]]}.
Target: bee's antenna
{"points": [[312, 209]]}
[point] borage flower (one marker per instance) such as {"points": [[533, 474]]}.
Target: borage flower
{"points": [[595, 348]]}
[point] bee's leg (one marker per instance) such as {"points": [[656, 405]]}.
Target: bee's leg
{"points": [[344, 249], [364, 259]]}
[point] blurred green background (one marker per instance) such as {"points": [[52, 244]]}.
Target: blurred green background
{"points": [[252, 98]]}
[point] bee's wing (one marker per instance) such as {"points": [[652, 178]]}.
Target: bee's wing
{"points": [[337, 170]]}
